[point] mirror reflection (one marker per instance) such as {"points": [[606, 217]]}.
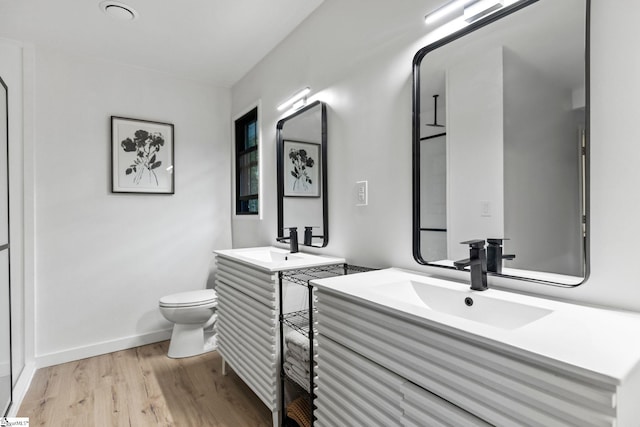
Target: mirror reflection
{"points": [[302, 178], [500, 117]]}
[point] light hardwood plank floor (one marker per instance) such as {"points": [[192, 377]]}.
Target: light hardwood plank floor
{"points": [[142, 387]]}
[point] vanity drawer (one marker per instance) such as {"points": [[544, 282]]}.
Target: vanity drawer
{"points": [[353, 391], [422, 408], [501, 388]]}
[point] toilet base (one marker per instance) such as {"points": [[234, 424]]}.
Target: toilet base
{"points": [[189, 340]]}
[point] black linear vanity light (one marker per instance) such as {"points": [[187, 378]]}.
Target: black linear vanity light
{"points": [[297, 100]]}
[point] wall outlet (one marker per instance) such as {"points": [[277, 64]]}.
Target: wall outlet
{"points": [[362, 193], [485, 208]]}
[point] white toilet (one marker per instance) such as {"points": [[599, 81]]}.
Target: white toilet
{"points": [[191, 312]]}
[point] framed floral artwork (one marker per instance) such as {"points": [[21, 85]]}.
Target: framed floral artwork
{"points": [[142, 156], [301, 169]]}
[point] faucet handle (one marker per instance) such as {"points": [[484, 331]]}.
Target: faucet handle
{"points": [[293, 239], [475, 243], [496, 240], [308, 235], [497, 243]]}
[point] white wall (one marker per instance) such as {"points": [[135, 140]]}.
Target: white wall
{"points": [[362, 68], [103, 260]]}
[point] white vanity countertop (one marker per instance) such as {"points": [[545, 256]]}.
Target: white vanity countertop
{"points": [[603, 344], [272, 259]]}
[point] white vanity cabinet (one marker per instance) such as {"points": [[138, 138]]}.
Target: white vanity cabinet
{"points": [[403, 370], [247, 285], [354, 390], [247, 326]]}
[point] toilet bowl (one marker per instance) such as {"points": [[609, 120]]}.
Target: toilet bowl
{"points": [[191, 312]]}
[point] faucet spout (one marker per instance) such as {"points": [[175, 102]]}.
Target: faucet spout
{"points": [[478, 262], [460, 265]]}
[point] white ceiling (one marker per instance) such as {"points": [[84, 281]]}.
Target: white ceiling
{"points": [[212, 41]]}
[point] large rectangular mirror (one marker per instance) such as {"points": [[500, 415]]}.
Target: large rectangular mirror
{"points": [[500, 141], [302, 175]]}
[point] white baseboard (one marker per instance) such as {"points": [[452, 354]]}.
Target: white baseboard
{"points": [[98, 349], [21, 387]]}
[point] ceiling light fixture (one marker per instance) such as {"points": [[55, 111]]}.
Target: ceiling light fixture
{"points": [[118, 10], [300, 97]]}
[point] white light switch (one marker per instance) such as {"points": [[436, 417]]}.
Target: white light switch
{"points": [[362, 193]]}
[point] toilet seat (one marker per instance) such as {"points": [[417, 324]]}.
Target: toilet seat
{"points": [[189, 299]]}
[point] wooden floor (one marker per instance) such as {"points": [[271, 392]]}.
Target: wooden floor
{"points": [[142, 387]]}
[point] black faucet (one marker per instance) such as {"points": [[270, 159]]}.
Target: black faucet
{"points": [[478, 262], [293, 239], [308, 236], [495, 255]]}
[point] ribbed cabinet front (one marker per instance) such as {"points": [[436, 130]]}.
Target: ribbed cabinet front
{"points": [[247, 332], [451, 376]]}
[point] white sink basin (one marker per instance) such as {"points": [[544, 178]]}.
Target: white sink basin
{"points": [[274, 259], [474, 306], [269, 255]]}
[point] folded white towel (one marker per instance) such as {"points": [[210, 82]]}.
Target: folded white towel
{"points": [[293, 372], [296, 353], [295, 339], [298, 367]]}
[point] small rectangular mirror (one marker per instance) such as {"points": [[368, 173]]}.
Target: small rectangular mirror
{"points": [[302, 175]]}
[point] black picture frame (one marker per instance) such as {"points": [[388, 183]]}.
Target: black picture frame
{"points": [[302, 169], [142, 156]]}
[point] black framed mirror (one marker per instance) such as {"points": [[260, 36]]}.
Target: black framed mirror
{"points": [[500, 142], [301, 151]]}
